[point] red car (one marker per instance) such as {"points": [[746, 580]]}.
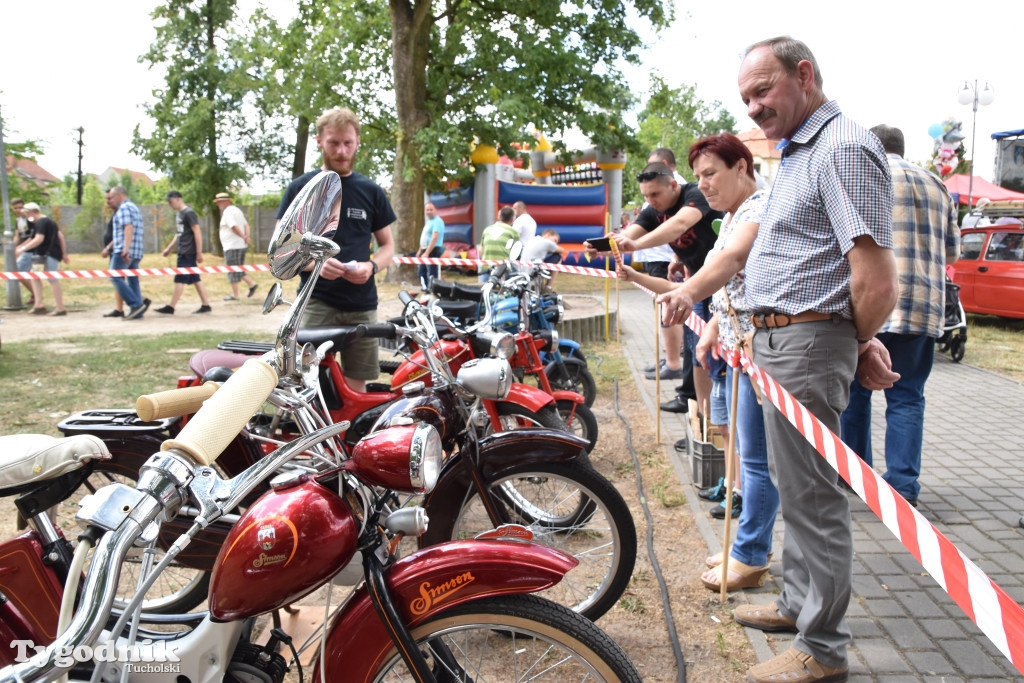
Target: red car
{"points": [[990, 271]]}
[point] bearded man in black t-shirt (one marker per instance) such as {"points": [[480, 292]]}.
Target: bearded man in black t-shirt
{"points": [[346, 293]]}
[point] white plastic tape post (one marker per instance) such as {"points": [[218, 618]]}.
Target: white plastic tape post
{"points": [[174, 402], [225, 413]]}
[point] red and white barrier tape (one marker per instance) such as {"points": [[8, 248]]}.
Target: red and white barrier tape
{"points": [[209, 270], [138, 272], [998, 616], [558, 267]]}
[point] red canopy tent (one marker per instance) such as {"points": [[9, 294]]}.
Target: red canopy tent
{"points": [[959, 186]]}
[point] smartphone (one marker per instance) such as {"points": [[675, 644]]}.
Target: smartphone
{"points": [[600, 243]]}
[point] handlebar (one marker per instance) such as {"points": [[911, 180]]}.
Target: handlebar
{"points": [[174, 402], [225, 413], [377, 330]]}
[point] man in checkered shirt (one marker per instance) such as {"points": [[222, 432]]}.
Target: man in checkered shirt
{"points": [[821, 281]]}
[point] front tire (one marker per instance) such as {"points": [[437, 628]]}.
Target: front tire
{"points": [[513, 638], [580, 420], [573, 376], [570, 507]]}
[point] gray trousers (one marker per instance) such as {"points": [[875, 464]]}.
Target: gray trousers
{"points": [[815, 362]]}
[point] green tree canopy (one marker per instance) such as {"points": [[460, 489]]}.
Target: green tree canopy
{"points": [[199, 119]]}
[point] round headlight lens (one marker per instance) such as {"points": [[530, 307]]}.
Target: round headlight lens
{"points": [[425, 456], [503, 345]]}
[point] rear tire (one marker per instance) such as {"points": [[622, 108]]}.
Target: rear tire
{"points": [[496, 638]]}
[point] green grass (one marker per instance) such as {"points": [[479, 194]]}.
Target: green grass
{"points": [[996, 344], [47, 381]]}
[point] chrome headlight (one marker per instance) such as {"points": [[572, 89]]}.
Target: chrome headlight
{"points": [[489, 378], [401, 458], [503, 345]]}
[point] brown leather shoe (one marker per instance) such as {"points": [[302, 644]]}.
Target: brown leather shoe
{"points": [[763, 617], [794, 666]]}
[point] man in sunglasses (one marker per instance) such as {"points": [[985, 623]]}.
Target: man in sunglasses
{"points": [[677, 215]]}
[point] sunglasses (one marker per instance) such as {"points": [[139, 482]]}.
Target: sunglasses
{"points": [[648, 176]]}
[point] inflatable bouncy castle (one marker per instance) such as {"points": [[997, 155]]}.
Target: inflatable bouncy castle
{"points": [[577, 212]]}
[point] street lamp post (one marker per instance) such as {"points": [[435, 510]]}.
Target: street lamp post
{"points": [[80, 130], [969, 94]]}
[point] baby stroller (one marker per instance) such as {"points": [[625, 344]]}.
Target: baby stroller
{"points": [[954, 324]]}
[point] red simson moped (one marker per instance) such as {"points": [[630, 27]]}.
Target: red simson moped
{"points": [[459, 610]]}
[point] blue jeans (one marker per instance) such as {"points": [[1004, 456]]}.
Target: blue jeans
{"points": [[760, 497], [127, 287], [426, 272], [912, 357]]}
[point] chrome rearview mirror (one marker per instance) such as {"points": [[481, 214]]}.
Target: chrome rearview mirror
{"points": [[313, 212]]}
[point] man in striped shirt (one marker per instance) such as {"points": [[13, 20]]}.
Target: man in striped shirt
{"points": [[821, 281], [926, 239]]}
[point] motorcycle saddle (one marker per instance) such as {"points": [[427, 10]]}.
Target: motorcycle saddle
{"points": [[28, 458]]}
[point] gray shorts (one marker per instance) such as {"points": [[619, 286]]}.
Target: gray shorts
{"points": [[235, 257], [360, 359]]}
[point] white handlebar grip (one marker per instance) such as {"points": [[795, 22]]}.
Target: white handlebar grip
{"points": [[225, 413], [175, 402]]}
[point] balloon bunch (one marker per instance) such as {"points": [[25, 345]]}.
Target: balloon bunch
{"points": [[948, 151]]}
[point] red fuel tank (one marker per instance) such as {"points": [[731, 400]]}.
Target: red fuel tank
{"points": [[286, 544]]}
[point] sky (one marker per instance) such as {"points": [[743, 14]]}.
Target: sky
{"points": [[884, 61]]}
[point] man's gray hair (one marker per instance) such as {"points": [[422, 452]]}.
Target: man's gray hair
{"points": [[790, 52]]}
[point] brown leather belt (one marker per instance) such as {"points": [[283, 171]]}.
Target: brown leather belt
{"points": [[763, 320]]}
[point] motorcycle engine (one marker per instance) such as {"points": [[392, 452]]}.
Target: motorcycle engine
{"points": [[252, 664]]}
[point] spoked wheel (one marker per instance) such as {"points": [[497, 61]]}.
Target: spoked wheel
{"points": [[513, 638], [573, 376], [580, 420], [573, 508], [178, 589]]}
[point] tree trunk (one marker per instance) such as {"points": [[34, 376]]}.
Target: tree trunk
{"points": [[213, 176], [301, 143], [410, 33]]}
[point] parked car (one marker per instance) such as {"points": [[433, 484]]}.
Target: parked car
{"points": [[990, 271]]}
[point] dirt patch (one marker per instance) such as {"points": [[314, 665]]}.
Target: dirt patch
{"points": [[713, 647]]}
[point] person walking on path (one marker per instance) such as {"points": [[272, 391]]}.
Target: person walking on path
{"points": [[346, 293], [47, 245], [189, 239], [128, 250], [431, 246], [22, 233], [820, 282], [234, 239], [926, 239]]}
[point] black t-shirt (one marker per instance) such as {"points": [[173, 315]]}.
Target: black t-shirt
{"points": [[186, 235], [693, 245], [50, 246], [365, 209]]}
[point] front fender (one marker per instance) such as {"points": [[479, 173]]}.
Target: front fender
{"points": [[427, 582], [498, 454], [528, 397]]}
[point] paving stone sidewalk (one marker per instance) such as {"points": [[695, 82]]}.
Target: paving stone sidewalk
{"points": [[972, 489]]}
